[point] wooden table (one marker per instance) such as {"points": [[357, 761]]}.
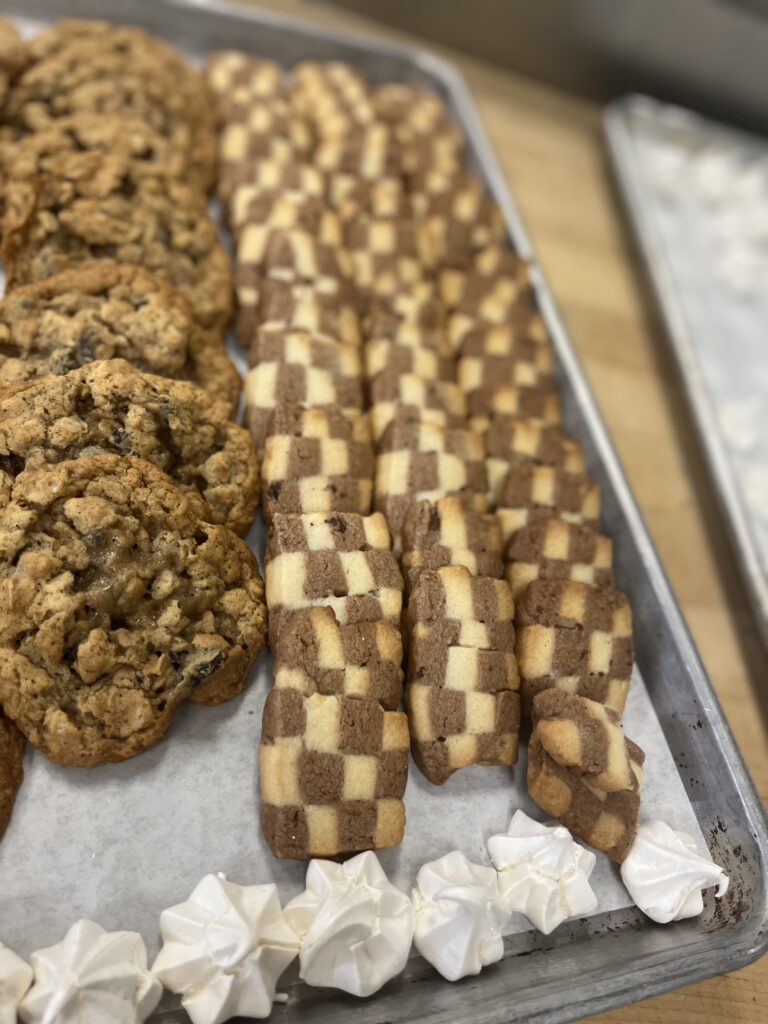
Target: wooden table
{"points": [[551, 148]]}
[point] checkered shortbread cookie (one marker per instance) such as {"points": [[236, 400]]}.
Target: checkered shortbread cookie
{"points": [[439, 402], [418, 460], [460, 217], [316, 460], [554, 549], [387, 255], [451, 607], [514, 439], [531, 493], [333, 772], [272, 178], [419, 306], [607, 821], [495, 297], [414, 113], [324, 306], [539, 405], [384, 356], [492, 357], [577, 638], [333, 97], [236, 80], [446, 532], [372, 153], [297, 367], [352, 197], [337, 559], [584, 736], [269, 130], [453, 729], [315, 654], [406, 335], [472, 282]]}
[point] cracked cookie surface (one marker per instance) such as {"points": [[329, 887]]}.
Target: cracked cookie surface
{"points": [[116, 604], [107, 310], [111, 407]]}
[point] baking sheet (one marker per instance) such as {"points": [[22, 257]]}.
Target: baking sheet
{"points": [[586, 966], [698, 195]]}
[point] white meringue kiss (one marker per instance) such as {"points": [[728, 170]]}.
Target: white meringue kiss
{"points": [[356, 927], [664, 874], [224, 950], [15, 979], [459, 916], [90, 977], [543, 873]]}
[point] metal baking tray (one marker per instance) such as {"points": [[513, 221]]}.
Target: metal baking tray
{"points": [[589, 965], [716, 331]]}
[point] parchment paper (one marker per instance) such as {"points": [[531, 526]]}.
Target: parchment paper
{"points": [[119, 843]]}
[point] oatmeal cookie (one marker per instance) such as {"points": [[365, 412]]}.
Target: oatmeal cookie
{"points": [[97, 68], [11, 771], [108, 310], [117, 603], [64, 220], [112, 407]]}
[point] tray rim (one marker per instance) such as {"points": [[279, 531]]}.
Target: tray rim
{"points": [[621, 145], [629, 986]]}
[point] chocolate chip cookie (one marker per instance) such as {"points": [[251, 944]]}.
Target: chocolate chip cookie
{"points": [[107, 310], [63, 221], [117, 603], [96, 68], [112, 407], [11, 771]]}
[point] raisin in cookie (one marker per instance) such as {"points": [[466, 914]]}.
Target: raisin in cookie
{"points": [[64, 220], [11, 771], [112, 407], [117, 603], [104, 311], [97, 68]]}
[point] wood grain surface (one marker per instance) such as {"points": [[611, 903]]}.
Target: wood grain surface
{"points": [[551, 148]]}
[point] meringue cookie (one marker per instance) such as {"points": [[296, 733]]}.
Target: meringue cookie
{"points": [[356, 927], [224, 950], [459, 916], [90, 977], [15, 979], [543, 873], [664, 874]]}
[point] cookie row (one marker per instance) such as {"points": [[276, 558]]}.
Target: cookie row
{"points": [[125, 589]]}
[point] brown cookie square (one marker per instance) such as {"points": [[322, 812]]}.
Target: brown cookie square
{"points": [[577, 638]]}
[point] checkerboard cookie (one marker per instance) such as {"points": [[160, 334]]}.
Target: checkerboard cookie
{"points": [[407, 335], [337, 559], [451, 607], [438, 402], [539, 405], [492, 357], [333, 96], [512, 439], [418, 460], [554, 549], [414, 114], [426, 362], [584, 736], [272, 178], [236, 80], [294, 366], [458, 282], [353, 197], [459, 215], [577, 638], [316, 460], [294, 256], [447, 532], [453, 729], [268, 130], [418, 306], [607, 821], [531, 493], [371, 153], [325, 306], [315, 654], [387, 255], [333, 772]]}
